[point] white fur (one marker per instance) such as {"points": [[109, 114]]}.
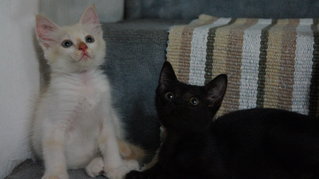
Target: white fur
{"points": [[75, 122]]}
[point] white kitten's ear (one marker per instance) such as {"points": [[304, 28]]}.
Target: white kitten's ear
{"points": [[90, 18], [45, 30]]}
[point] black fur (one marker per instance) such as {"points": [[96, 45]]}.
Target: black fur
{"points": [[247, 144]]}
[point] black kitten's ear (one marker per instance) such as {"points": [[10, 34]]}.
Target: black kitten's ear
{"points": [[167, 74], [216, 90]]}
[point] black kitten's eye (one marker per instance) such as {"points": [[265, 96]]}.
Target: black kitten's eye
{"points": [[67, 43], [194, 101], [169, 96], [89, 39]]}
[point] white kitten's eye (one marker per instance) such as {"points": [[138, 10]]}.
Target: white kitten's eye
{"points": [[67, 43], [89, 39]]}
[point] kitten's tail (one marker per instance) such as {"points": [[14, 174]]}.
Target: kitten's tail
{"points": [[130, 151]]}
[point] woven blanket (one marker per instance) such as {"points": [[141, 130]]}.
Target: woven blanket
{"points": [[270, 63]]}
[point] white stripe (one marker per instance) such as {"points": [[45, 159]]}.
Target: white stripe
{"points": [[303, 67], [250, 64], [198, 51]]}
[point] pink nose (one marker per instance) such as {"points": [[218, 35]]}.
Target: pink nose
{"points": [[83, 46]]}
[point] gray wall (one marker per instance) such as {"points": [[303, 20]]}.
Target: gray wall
{"points": [[65, 12], [190, 9]]}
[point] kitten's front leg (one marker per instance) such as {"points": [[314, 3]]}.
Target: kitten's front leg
{"points": [[114, 166], [53, 153]]}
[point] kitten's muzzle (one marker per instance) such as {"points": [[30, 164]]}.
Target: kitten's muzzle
{"points": [[83, 47]]}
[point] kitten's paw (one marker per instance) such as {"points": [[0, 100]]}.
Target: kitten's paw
{"points": [[95, 167], [115, 173], [121, 171], [131, 165], [56, 176]]}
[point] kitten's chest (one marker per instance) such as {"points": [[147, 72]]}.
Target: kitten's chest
{"points": [[92, 89], [83, 91]]}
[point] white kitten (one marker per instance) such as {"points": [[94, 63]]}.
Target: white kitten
{"points": [[75, 124]]}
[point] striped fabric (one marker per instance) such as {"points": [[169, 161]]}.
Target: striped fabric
{"points": [[270, 63]]}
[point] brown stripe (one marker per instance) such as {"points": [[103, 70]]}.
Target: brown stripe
{"points": [[220, 53], [227, 59], [210, 50], [174, 46], [233, 63], [262, 64], [184, 54], [179, 49], [272, 68], [185, 51], [287, 63]]}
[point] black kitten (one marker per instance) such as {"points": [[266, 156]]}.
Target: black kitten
{"points": [[247, 144]]}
